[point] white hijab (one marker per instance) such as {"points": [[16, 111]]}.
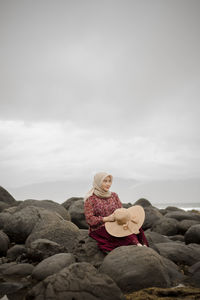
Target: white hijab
{"points": [[97, 189]]}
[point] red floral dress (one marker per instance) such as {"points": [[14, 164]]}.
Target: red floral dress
{"points": [[95, 209]]}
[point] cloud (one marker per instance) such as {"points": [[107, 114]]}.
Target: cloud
{"points": [[100, 85], [37, 152]]}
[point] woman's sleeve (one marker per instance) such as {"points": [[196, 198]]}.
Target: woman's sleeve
{"points": [[91, 219]]}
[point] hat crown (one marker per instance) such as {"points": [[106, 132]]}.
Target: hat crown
{"points": [[122, 216]]}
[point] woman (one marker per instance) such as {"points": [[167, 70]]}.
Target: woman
{"points": [[99, 206]]}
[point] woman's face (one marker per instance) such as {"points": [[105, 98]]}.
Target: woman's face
{"points": [[106, 184]]}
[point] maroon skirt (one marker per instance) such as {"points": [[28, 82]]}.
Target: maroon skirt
{"points": [[107, 242]]}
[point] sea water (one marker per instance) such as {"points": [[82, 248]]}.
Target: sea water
{"points": [[184, 206]]}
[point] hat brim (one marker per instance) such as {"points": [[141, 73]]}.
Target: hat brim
{"points": [[137, 215]]}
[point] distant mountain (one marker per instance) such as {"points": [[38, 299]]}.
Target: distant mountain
{"points": [[159, 193], [182, 193], [59, 191]]}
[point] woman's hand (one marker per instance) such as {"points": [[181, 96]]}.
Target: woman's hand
{"points": [[110, 218]]}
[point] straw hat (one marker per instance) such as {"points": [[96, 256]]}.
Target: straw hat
{"points": [[127, 221]]}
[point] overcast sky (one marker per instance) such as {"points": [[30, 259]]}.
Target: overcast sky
{"points": [[88, 86]]}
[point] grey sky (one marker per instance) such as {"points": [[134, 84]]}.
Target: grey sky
{"points": [[87, 86]]}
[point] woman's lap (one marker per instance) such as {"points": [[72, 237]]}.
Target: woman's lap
{"points": [[107, 242]]}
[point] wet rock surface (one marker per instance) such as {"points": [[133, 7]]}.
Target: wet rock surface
{"points": [[78, 281], [130, 267]]}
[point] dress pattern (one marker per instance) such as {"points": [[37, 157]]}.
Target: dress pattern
{"points": [[96, 208]]}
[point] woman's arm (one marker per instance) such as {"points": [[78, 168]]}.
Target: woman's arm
{"points": [[91, 219], [109, 218]]}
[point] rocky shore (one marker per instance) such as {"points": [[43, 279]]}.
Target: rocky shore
{"points": [[46, 253]]}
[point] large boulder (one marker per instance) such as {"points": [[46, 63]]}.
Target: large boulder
{"points": [[77, 214], [3, 206], [168, 209], [192, 235], [70, 201], [134, 268], [183, 215], [78, 281], [166, 226], [43, 248], [179, 253], [6, 197], [173, 271], [184, 225], [52, 265], [20, 270], [194, 272], [155, 237], [152, 215], [4, 243], [15, 252], [18, 226], [12, 289], [86, 249], [47, 204], [62, 232], [5, 266], [177, 237], [143, 202], [4, 216]]}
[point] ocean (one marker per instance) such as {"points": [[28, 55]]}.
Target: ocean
{"points": [[184, 206]]}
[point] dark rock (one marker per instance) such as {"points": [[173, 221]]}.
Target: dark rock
{"points": [[78, 281], [170, 209], [18, 270], [177, 237], [86, 249], [183, 215], [77, 214], [179, 253], [166, 226], [127, 205], [173, 271], [134, 268], [162, 211], [16, 251], [20, 225], [152, 215], [4, 216], [52, 265], [4, 243], [5, 266], [143, 202], [3, 206], [184, 225], [10, 210], [194, 272], [62, 232], [155, 238], [6, 197], [70, 201], [47, 204], [11, 289], [3, 260], [192, 235], [194, 247], [43, 248]]}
